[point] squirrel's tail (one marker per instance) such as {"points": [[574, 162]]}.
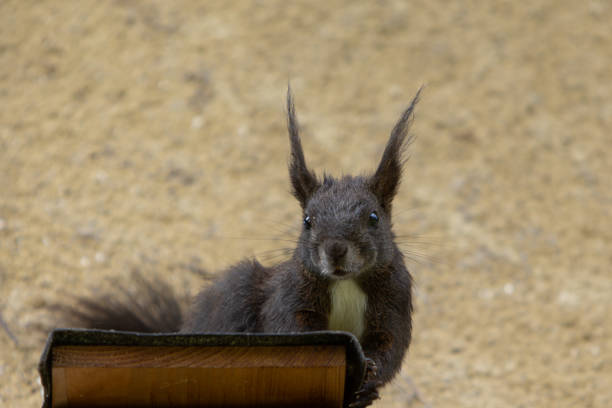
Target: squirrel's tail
{"points": [[148, 306]]}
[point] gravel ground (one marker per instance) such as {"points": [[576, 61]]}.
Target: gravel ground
{"points": [[150, 136]]}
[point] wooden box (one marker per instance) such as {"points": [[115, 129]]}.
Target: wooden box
{"points": [[96, 368]]}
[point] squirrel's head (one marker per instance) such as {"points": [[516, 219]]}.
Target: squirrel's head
{"points": [[347, 222]]}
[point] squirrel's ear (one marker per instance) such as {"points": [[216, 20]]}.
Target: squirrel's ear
{"points": [[385, 181], [303, 180]]}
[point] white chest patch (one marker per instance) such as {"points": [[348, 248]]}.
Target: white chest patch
{"points": [[348, 306]]}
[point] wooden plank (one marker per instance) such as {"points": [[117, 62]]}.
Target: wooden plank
{"points": [[108, 376], [60, 397], [169, 356]]}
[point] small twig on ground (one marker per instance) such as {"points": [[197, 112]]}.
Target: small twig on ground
{"points": [[8, 331], [416, 395]]}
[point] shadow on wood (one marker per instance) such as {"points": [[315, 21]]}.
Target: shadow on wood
{"points": [[96, 368]]}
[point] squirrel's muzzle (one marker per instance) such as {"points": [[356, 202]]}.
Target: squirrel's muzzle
{"points": [[336, 252]]}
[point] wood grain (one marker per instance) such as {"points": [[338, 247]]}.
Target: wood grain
{"points": [[107, 376]]}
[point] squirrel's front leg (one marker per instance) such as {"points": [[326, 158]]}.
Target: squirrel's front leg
{"points": [[384, 353], [368, 392]]}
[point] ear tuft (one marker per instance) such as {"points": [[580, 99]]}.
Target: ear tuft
{"points": [[385, 181], [303, 180]]}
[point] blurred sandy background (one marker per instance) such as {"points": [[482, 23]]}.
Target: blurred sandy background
{"points": [[151, 135]]}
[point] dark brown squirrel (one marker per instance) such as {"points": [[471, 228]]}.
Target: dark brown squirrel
{"points": [[346, 272]]}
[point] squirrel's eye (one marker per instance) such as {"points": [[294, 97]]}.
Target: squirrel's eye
{"points": [[373, 218], [307, 222]]}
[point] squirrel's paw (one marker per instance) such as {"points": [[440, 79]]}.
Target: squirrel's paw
{"points": [[369, 390], [367, 394]]}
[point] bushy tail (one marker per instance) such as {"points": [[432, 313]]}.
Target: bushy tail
{"points": [[152, 307]]}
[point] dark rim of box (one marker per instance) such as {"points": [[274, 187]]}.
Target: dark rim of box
{"points": [[355, 359]]}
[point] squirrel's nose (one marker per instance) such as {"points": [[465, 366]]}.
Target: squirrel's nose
{"points": [[336, 250]]}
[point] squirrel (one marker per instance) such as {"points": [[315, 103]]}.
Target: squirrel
{"points": [[346, 272]]}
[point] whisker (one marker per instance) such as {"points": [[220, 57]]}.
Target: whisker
{"points": [[424, 259], [276, 258], [272, 251], [420, 236], [293, 241], [292, 228], [422, 247], [274, 254], [424, 241], [404, 211]]}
